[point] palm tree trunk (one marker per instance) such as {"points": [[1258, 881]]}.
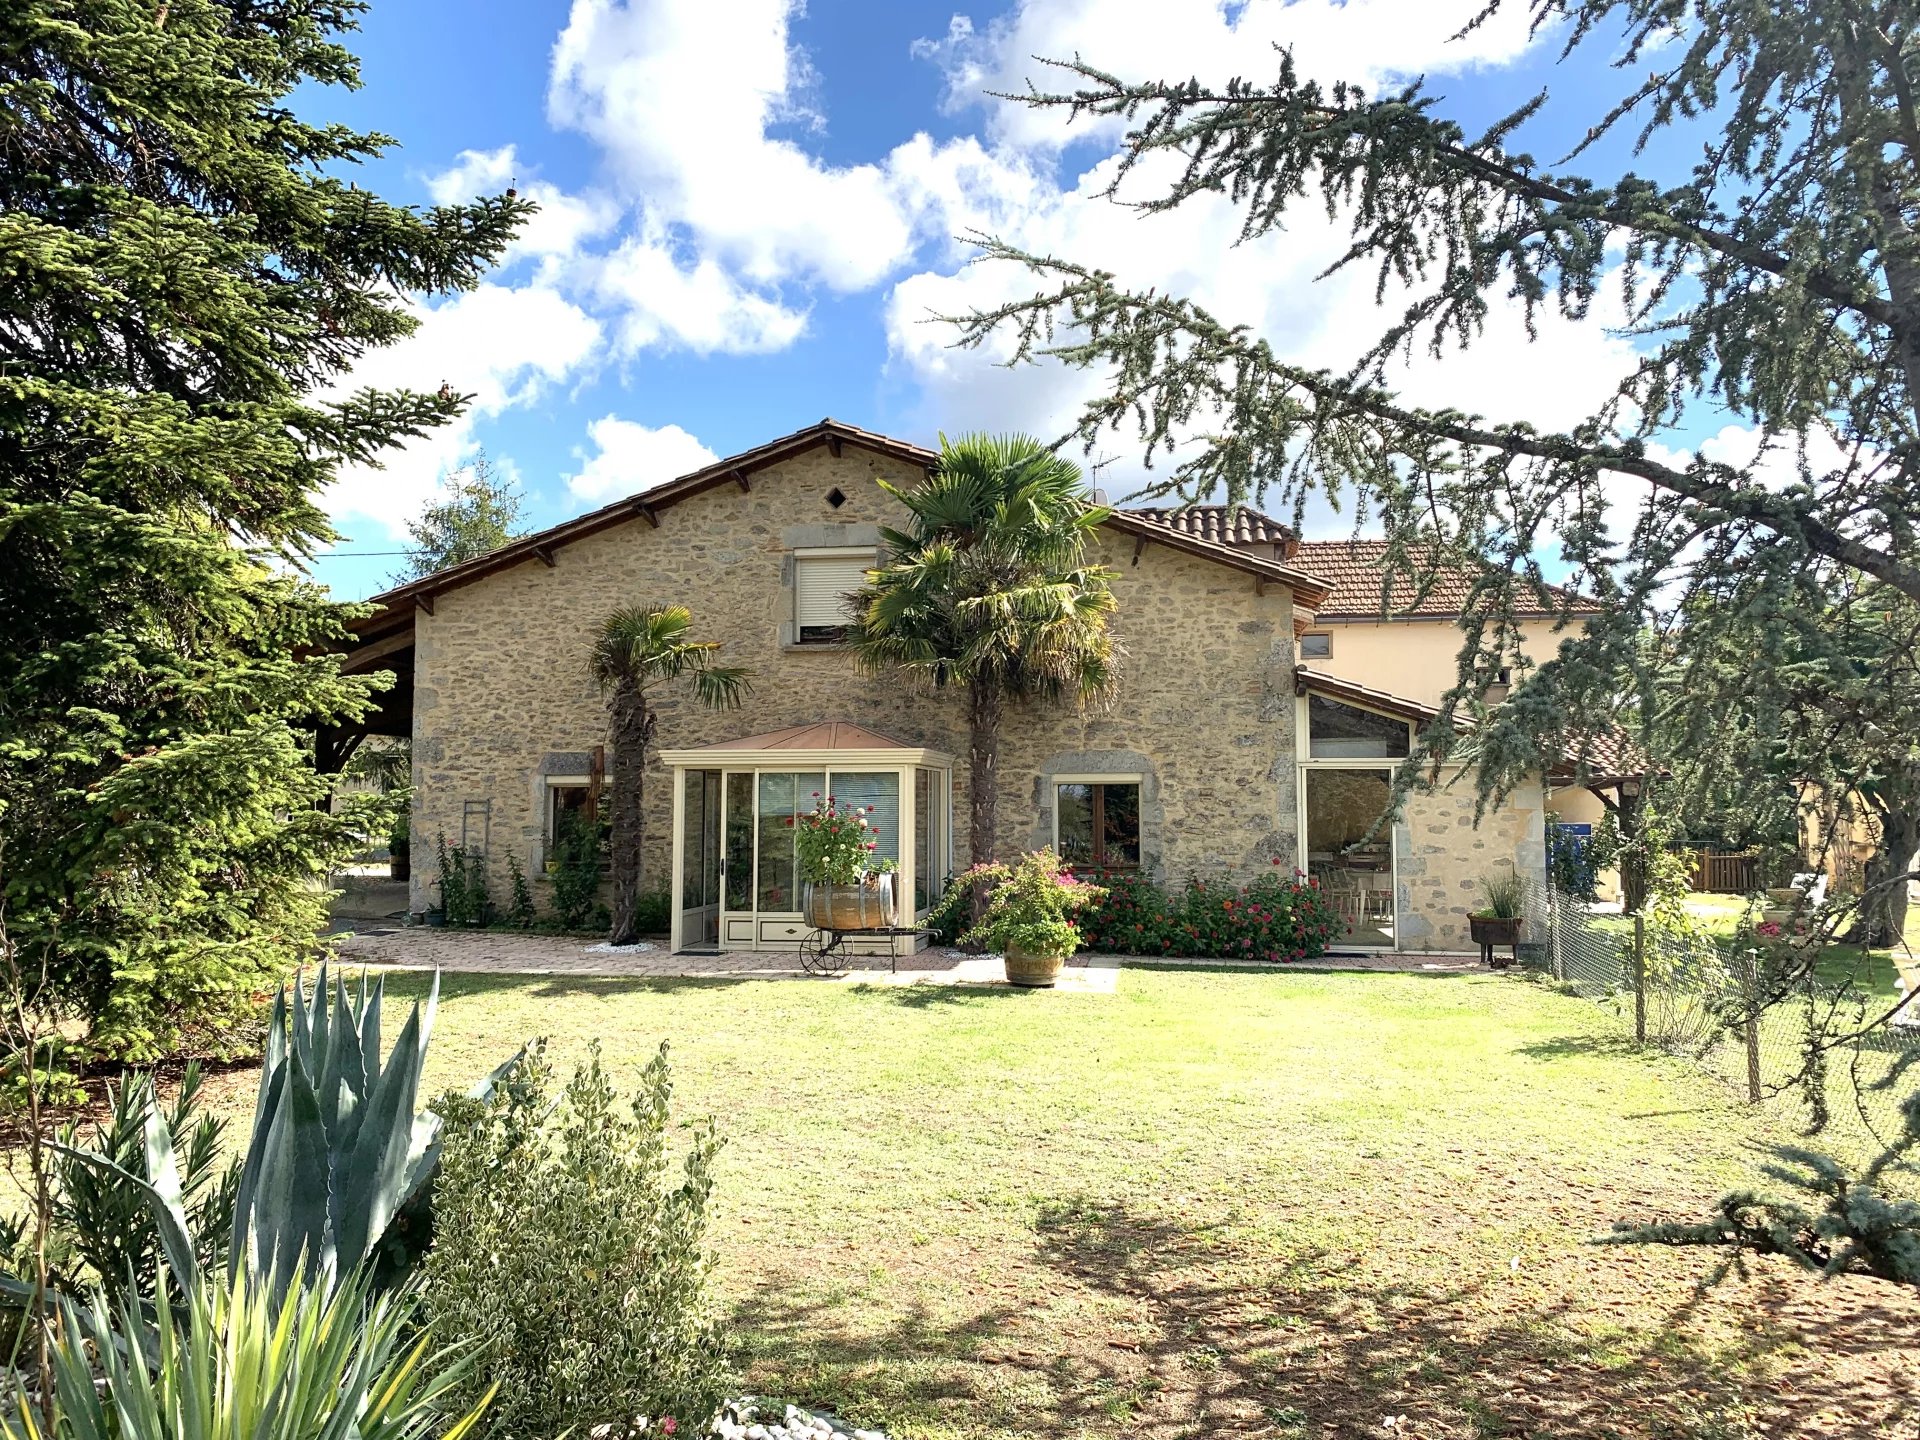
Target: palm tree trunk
{"points": [[985, 705], [631, 728]]}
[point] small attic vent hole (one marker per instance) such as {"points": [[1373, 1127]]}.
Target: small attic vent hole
{"points": [[835, 498]]}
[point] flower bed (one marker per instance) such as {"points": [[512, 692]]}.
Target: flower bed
{"points": [[1276, 918]]}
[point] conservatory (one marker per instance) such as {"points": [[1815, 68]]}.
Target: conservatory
{"points": [[736, 881]]}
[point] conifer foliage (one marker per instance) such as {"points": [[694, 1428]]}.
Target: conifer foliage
{"points": [[1761, 231], [184, 273]]}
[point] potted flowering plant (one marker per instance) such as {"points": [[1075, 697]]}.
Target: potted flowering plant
{"points": [[849, 884], [1029, 917]]}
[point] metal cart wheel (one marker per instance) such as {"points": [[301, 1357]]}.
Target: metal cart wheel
{"points": [[821, 953]]}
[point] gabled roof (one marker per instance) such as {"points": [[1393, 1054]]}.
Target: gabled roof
{"points": [[1359, 571], [1244, 526], [1610, 755], [1308, 590], [734, 470], [398, 604]]}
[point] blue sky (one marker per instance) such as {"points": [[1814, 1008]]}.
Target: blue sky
{"points": [[750, 209]]}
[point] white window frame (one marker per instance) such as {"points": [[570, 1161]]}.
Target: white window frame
{"points": [[553, 783], [863, 553], [1133, 778]]}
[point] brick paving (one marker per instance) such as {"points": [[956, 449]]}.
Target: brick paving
{"points": [[492, 953], [487, 952]]}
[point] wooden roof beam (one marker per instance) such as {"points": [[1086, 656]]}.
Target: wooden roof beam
{"points": [[740, 479], [424, 600], [545, 555]]}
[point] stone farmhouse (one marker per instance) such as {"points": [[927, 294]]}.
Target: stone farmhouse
{"points": [[1266, 696]]}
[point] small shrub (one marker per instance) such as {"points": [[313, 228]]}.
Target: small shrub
{"points": [[570, 1256], [463, 884], [520, 911], [576, 873], [1573, 861], [653, 912], [948, 915], [1275, 918], [1032, 906]]}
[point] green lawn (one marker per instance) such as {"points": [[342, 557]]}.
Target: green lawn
{"points": [[1287, 1204]]}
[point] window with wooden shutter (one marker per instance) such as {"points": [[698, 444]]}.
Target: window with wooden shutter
{"points": [[822, 581]]}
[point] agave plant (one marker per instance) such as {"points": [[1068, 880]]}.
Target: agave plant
{"points": [[238, 1362], [338, 1161]]}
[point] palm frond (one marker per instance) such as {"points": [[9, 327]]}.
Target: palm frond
{"points": [[991, 582]]}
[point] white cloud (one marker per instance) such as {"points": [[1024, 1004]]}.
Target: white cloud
{"points": [[504, 346], [563, 223], [681, 96], [1372, 42], [630, 457], [661, 300]]}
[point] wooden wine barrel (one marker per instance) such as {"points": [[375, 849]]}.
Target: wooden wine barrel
{"points": [[866, 906]]}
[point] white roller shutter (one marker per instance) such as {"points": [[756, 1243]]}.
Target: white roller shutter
{"points": [[822, 580]]}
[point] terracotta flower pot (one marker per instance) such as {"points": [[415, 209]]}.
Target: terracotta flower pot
{"points": [[1037, 971]]}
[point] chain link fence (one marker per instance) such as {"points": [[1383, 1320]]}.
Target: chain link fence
{"points": [[1808, 1049]]}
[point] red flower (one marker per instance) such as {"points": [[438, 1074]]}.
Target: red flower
{"points": [[668, 1424]]}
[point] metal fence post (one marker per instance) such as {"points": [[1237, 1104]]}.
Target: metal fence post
{"points": [[1556, 963], [1639, 977], [1753, 1046]]}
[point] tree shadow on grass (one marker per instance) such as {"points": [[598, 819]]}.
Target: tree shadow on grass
{"points": [[1565, 1047], [1138, 1324]]}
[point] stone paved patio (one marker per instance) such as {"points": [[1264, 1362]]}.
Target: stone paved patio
{"points": [[496, 953]]}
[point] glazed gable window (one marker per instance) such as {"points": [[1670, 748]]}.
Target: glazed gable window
{"points": [[822, 581], [1316, 646], [1096, 823]]}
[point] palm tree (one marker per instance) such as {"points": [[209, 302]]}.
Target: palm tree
{"points": [[990, 589], [640, 649]]}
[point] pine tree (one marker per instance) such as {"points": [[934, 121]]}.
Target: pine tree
{"points": [[182, 272], [477, 510], [1773, 276]]}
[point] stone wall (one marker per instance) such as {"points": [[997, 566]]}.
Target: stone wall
{"points": [[503, 697], [1443, 858]]}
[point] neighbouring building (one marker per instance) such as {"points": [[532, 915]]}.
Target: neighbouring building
{"points": [[1226, 752]]}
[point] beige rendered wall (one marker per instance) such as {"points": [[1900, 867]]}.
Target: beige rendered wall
{"points": [[1414, 659], [502, 694]]}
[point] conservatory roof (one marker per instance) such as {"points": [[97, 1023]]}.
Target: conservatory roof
{"points": [[840, 740]]}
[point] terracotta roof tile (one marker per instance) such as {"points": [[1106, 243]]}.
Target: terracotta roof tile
{"points": [[1210, 522], [1357, 570]]}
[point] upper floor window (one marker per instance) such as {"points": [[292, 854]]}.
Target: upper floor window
{"points": [[1346, 732], [1316, 647], [822, 581]]}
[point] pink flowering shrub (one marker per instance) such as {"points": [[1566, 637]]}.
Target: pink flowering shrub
{"points": [[1277, 918]]}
